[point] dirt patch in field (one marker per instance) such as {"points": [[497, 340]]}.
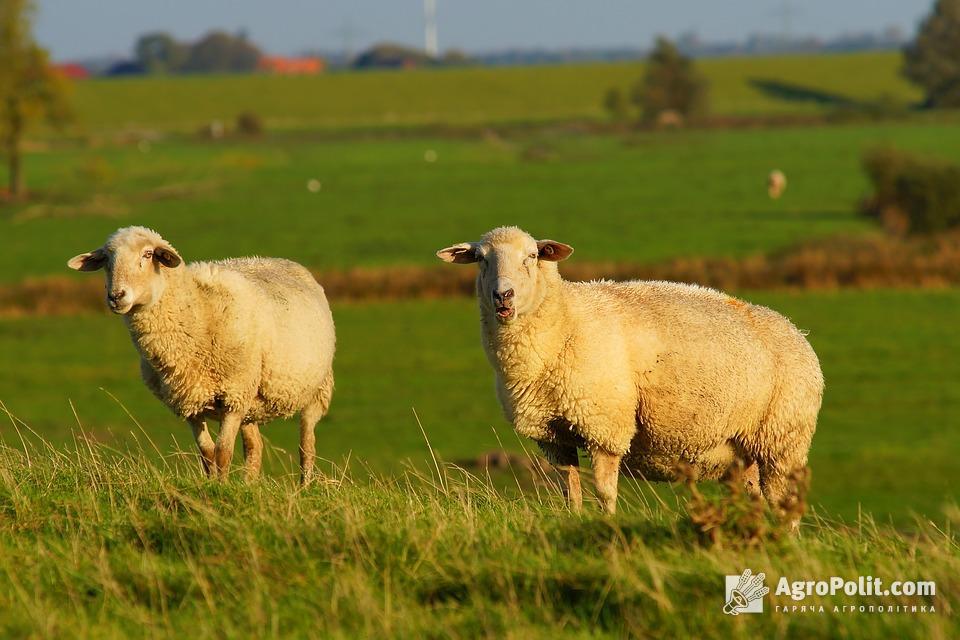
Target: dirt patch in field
{"points": [[852, 263], [179, 190], [101, 206]]}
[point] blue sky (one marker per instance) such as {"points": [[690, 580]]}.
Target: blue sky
{"points": [[76, 28]]}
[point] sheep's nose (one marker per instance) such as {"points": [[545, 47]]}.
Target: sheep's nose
{"points": [[503, 297], [116, 296]]}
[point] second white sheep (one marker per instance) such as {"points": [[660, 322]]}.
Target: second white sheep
{"points": [[643, 375]]}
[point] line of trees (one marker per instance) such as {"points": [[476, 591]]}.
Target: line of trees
{"points": [[216, 52]]}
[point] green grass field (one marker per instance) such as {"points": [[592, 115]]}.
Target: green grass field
{"points": [[886, 442], [106, 529], [92, 546], [467, 96], [641, 198]]}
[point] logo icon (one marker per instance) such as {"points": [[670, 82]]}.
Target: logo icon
{"points": [[745, 593]]}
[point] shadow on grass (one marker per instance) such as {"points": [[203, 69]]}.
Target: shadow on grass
{"points": [[799, 93], [838, 107]]}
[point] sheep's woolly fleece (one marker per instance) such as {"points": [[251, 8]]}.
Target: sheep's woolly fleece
{"points": [[251, 335]]}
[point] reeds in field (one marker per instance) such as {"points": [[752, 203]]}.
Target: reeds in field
{"points": [[833, 263]]}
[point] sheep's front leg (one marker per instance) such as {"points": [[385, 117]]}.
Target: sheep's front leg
{"points": [[204, 444], [252, 450], [226, 439], [566, 460], [573, 491], [606, 473]]}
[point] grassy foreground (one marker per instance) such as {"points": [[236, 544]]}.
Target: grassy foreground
{"points": [[94, 544]]}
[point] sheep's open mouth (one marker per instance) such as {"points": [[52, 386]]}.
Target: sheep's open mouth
{"points": [[505, 312], [119, 309]]}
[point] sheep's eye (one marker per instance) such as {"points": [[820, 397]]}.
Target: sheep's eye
{"points": [[147, 254], [532, 256]]}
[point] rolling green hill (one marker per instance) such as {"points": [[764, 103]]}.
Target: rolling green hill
{"points": [[462, 96]]}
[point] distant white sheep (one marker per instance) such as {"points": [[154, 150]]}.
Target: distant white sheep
{"points": [[776, 184], [643, 375], [242, 341]]}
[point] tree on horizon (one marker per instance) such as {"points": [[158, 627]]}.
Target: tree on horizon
{"points": [[671, 83], [30, 88], [932, 60]]}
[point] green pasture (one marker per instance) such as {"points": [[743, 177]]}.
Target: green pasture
{"points": [[803, 84], [887, 438], [95, 546], [110, 532], [638, 198]]}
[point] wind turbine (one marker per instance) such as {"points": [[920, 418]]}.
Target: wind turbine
{"points": [[430, 28], [787, 13]]}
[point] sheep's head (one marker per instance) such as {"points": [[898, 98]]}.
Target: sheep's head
{"points": [[135, 259], [514, 269]]}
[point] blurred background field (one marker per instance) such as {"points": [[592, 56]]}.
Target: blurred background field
{"points": [[640, 197]]}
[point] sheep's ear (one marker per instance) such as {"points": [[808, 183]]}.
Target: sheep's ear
{"points": [[553, 251], [463, 253], [167, 256], [92, 261]]}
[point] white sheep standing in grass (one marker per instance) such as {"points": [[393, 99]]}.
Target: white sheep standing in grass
{"points": [[242, 341], [643, 375], [776, 184]]}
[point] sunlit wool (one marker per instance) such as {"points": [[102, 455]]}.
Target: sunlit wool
{"points": [[644, 375], [243, 341]]}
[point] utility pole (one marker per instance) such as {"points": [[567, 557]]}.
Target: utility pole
{"points": [[348, 34], [430, 28]]}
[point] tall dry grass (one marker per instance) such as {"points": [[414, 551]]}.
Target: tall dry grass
{"points": [[96, 542]]}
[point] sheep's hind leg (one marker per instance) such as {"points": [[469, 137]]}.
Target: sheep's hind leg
{"points": [[308, 442], [606, 473], [226, 440], [751, 479], [744, 471], [309, 417], [783, 487], [204, 444], [252, 449]]}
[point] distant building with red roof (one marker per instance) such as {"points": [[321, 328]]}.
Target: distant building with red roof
{"points": [[72, 70], [291, 66]]}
